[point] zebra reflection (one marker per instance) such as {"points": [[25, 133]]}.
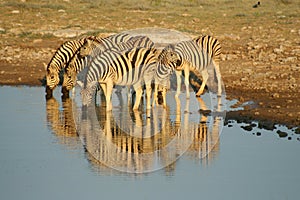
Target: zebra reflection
{"points": [[205, 134], [60, 121]]}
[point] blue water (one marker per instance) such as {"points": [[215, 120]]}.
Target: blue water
{"points": [[37, 161]]}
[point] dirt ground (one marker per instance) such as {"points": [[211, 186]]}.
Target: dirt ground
{"points": [[261, 46]]}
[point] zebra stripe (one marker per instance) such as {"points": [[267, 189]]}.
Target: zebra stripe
{"points": [[78, 63], [133, 67], [97, 45], [198, 55], [60, 58], [168, 60]]}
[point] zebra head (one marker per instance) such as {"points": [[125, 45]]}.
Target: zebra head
{"points": [[168, 60], [87, 92], [90, 47], [69, 79], [52, 78]]}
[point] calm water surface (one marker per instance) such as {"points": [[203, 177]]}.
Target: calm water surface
{"points": [[42, 157]]}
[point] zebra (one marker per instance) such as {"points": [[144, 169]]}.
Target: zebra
{"points": [[133, 67], [97, 45], [198, 55], [62, 56], [78, 63], [65, 53]]}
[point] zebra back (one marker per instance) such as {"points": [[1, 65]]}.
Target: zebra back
{"points": [[97, 45], [211, 45], [137, 41], [125, 68]]}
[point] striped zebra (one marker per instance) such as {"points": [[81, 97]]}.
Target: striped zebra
{"points": [[98, 45], [198, 55], [134, 67], [62, 56], [65, 53], [78, 63]]}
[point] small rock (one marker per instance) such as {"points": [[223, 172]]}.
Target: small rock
{"points": [[282, 133], [247, 128], [150, 20], [61, 11], [231, 57], [275, 95], [258, 133], [277, 107], [297, 131], [37, 40], [2, 72], [19, 79], [290, 59], [15, 12], [196, 20], [272, 57], [186, 15], [256, 113]]}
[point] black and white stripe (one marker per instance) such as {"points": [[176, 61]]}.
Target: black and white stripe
{"points": [[134, 67], [60, 58], [97, 45], [199, 55], [78, 63]]}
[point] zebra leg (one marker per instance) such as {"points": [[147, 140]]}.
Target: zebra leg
{"points": [[103, 86], [139, 92], [128, 95], [178, 79], [73, 92], [218, 75], [148, 95], [186, 81], [204, 74], [109, 88], [164, 92], [155, 95]]}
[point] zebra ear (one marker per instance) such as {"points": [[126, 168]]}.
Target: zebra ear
{"points": [[45, 65]]}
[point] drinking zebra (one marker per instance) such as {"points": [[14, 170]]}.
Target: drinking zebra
{"points": [[98, 45], [134, 67], [62, 56], [198, 55], [65, 53], [78, 63]]}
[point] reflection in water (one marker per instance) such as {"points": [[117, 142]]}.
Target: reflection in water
{"points": [[60, 121], [132, 142]]}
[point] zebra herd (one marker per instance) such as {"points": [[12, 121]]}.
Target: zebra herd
{"points": [[126, 60]]}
